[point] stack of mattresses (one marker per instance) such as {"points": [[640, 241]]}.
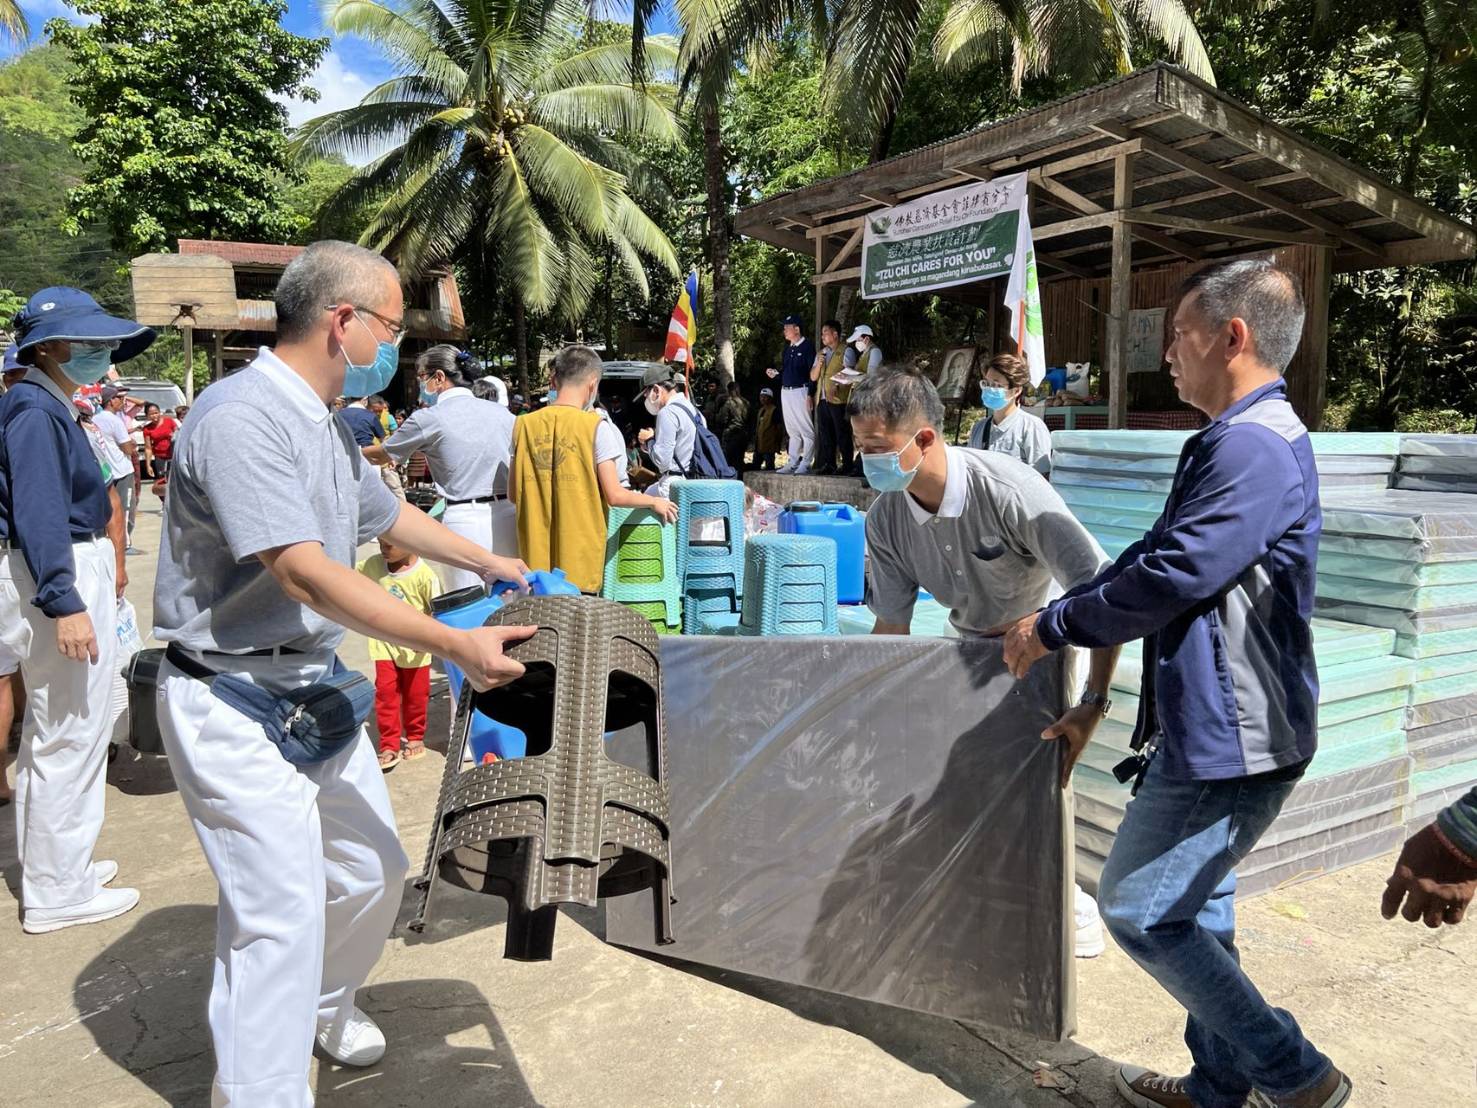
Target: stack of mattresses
{"points": [[1438, 463], [1407, 561], [1116, 482], [1351, 803]]}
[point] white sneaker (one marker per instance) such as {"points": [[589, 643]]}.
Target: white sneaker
{"points": [[802, 471], [360, 1043], [106, 870], [105, 905], [786, 469], [1088, 923]]}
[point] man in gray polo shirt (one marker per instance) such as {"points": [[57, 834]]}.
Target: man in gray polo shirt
{"points": [[256, 579], [984, 533]]}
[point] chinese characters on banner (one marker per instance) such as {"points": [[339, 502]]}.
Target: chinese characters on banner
{"points": [[956, 237]]}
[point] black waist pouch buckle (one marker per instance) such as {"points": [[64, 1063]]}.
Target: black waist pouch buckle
{"points": [[308, 725]]}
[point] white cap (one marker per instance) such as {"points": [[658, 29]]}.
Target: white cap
{"points": [[859, 332], [766, 392], [500, 390]]}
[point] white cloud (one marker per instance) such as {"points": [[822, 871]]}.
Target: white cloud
{"points": [[339, 87]]}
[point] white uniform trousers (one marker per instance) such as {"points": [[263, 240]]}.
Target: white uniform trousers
{"points": [[799, 424], [61, 771], [310, 871], [492, 526]]}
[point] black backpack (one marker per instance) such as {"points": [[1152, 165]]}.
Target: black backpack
{"points": [[707, 452]]}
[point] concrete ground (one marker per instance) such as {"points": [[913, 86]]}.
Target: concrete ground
{"points": [[114, 1013]]}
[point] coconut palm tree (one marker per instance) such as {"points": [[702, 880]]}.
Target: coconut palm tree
{"points": [[870, 44], [505, 152], [13, 21]]}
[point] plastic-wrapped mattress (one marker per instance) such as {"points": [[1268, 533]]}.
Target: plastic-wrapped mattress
{"points": [[876, 817]]}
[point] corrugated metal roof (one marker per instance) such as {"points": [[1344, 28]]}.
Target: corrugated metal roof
{"points": [[242, 253]]}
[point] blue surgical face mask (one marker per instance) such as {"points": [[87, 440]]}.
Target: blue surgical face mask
{"points": [[89, 362], [428, 398], [366, 380], [885, 473], [994, 397], [553, 395]]}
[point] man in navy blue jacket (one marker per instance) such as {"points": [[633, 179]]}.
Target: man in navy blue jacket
{"points": [[1221, 592], [797, 394]]}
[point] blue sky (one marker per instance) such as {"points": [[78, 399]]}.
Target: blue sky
{"points": [[349, 69]]}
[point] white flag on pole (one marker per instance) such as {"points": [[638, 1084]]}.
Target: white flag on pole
{"points": [[1023, 298]]}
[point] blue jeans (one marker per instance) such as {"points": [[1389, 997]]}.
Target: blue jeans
{"points": [[1167, 897]]}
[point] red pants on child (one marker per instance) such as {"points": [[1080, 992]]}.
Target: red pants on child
{"points": [[400, 699]]}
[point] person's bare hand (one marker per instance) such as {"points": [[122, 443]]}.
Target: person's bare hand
{"points": [[645, 435], [122, 580], [75, 638], [1075, 728], [480, 655], [771, 372], [1023, 646], [499, 568], [1436, 884], [664, 508]]}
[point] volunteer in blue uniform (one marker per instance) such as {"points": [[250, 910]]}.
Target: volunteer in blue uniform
{"points": [[256, 583], [468, 443], [797, 394], [58, 605]]}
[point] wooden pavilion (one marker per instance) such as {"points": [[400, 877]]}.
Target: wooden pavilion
{"points": [[221, 293], [1132, 185]]}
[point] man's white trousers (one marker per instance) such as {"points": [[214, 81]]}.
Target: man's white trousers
{"points": [[492, 526], [799, 424], [310, 871], [61, 771]]}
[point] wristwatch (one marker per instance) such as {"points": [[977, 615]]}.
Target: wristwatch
{"points": [[1097, 700]]}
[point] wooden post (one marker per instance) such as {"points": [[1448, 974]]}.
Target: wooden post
{"points": [[188, 334], [218, 359], [1120, 295], [1315, 338], [820, 290]]}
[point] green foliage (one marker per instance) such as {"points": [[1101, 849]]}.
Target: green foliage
{"points": [[308, 201], [1392, 86], [10, 303], [34, 97], [184, 136], [37, 122]]}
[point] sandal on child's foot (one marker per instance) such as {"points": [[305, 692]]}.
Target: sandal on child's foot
{"points": [[389, 759], [415, 750]]}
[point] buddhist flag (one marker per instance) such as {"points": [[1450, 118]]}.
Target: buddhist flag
{"points": [[1023, 298], [684, 323]]}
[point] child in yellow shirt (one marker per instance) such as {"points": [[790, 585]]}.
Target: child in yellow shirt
{"points": [[402, 676]]}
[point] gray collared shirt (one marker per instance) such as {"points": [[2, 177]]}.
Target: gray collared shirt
{"points": [[1020, 435], [1001, 536], [296, 477], [467, 442]]}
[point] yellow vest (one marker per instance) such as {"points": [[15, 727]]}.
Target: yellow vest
{"points": [[831, 393], [561, 514]]}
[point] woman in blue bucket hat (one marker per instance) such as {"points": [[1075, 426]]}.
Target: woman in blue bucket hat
{"points": [[59, 584]]}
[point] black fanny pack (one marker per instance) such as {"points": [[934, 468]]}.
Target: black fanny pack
{"points": [[308, 725]]}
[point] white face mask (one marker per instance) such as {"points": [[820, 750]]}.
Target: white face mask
{"points": [[653, 405]]}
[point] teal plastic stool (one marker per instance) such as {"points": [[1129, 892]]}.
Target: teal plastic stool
{"points": [[707, 595], [710, 500], [641, 565], [790, 587]]}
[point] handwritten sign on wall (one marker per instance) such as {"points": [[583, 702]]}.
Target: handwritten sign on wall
{"points": [[1145, 340]]}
